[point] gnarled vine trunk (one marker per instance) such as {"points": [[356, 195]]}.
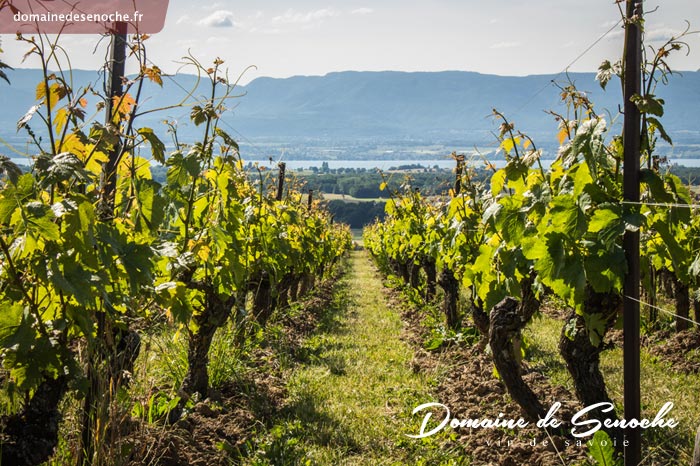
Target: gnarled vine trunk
{"points": [[284, 290], [30, 436], [507, 319], [264, 301], [211, 317], [450, 286], [430, 270], [307, 283], [582, 357], [481, 320], [404, 272], [414, 275], [294, 288], [109, 366], [682, 298]]}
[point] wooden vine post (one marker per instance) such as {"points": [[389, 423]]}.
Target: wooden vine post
{"points": [[280, 180], [115, 91], [632, 140]]}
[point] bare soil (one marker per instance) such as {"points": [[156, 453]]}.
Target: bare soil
{"points": [[220, 430], [472, 390]]}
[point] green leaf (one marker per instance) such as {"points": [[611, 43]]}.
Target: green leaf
{"points": [[602, 450], [694, 269], [498, 181], [10, 318], [567, 217], [183, 169], [649, 104], [510, 220], [59, 168], [151, 205], [8, 206], [656, 186], [608, 223], [157, 146], [39, 220], [656, 124], [228, 140], [605, 73], [603, 218], [605, 268], [73, 279], [199, 114], [582, 179]]}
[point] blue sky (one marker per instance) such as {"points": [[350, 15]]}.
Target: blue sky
{"points": [[312, 37]]}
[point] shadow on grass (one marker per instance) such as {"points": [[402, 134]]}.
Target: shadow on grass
{"points": [[302, 424], [550, 362]]}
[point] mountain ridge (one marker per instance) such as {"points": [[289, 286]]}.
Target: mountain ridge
{"points": [[382, 105]]}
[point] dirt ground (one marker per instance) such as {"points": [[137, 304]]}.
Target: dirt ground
{"points": [[472, 390]]}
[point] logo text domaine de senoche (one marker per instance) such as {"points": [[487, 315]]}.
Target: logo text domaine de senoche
{"points": [[580, 427]]}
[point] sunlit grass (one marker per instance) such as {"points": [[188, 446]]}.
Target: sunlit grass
{"points": [[659, 384], [352, 395]]}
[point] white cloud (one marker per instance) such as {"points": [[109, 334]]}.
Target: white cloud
{"points": [[362, 11], [215, 40], [660, 34], [218, 19], [214, 6], [615, 34], [505, 45], [294, 17]]}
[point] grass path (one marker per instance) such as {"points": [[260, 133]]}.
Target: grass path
{"points": [[353, 391]]}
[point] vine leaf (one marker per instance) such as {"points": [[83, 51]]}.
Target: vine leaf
{"points": [[649, 104], [601, 449], [9, 168], [27, 117], [656, 124], [157, 146]]}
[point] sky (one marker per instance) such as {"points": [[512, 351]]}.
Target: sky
{"points": [[282, 38]]}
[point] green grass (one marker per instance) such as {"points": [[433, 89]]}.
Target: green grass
{"points": [[352, 393], [659, 384]]}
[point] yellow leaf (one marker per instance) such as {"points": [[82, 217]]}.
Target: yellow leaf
{"points": [[204, 252], [60, 119], [122, 107], [382, 186], [87, 154], [134, 166], [56, 92], [154, 74], [40, 91], [526, 144], [509, 143], [562, 135]]}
